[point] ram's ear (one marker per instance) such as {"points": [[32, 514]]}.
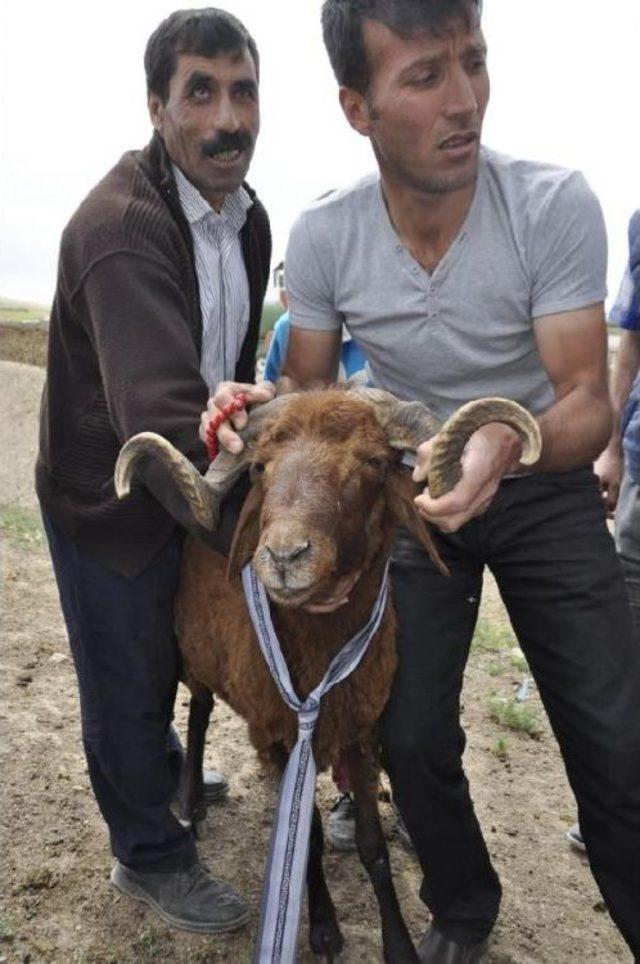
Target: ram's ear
{"points": [[401, 491], [247, 532]]}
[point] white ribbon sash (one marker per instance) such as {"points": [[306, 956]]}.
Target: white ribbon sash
{"points": [[286, 870]]}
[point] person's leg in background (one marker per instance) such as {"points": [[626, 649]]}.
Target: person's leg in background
{"points": [[628, 542], [423, 742], [557, 570]]}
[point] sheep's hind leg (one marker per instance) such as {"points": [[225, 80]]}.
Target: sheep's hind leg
{"points": [[191, 803], [372, 848]]}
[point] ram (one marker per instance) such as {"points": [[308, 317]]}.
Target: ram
{"points": [[328, 493]]}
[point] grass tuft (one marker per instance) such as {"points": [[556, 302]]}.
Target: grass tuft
{"points": [[500, 749], [20, 527], [6, 933], [146, 946], [518, 660], [514, 716], [491, 638]]}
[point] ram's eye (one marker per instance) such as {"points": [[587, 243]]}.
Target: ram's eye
{"points": [[375, 462], [257, 467]]}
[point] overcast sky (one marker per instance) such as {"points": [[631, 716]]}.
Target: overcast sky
{"points": [[565, 89]]}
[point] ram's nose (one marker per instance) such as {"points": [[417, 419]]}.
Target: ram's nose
{"points": [[283, 556]]}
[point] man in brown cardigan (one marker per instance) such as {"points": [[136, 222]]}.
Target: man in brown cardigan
{"points": [[162, 276]]}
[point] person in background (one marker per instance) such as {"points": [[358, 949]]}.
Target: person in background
{"points": [[618, 468], [277, 347], [352, 358], [162, 276]]}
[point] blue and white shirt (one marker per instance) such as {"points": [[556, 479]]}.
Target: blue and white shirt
{"points": [[222, 277], [352, 359], [626, 310], [626, 314]]}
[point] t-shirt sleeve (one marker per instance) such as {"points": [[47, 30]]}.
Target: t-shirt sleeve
{"points": [[568, 256], [308, 271]]}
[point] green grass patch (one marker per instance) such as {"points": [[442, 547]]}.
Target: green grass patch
{"points": [[496, 669], [500, 749], [514, 716], [146, 946], [85, 955], [6, 932], [492, 637], [518, 660], [11, 310], [20, 527]]}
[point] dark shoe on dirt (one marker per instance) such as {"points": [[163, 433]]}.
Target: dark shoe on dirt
{"points": [[574, 836], [191, 900], [341, 824], [216, 786], [436, 949]]}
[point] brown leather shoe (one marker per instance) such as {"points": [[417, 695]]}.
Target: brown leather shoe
{"points": [[436, 949]]}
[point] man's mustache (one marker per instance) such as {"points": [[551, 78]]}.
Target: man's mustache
{"points": [[227, 141]]}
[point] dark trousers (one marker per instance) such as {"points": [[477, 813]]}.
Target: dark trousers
{"points": [[126, 659], [546, 542], [628, 541]]}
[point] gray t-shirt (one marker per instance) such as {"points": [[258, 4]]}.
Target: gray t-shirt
{"points": [[533, 244]]}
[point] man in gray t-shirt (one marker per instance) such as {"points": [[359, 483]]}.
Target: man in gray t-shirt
{"points": [[532, 245], [463, 273]]}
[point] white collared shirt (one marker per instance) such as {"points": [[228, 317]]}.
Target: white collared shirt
{"points": [[222, 277]]}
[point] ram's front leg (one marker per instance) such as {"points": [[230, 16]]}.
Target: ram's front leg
{"points": [[372, 848], [191, 803], [325, 938]]}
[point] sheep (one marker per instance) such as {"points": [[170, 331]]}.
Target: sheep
{"points": [[328, 493]]}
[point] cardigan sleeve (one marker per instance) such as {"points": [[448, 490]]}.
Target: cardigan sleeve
{"points": [[136, 317]]}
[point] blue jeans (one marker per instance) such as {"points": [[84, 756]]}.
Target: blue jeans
{"points": [[127, 663]]}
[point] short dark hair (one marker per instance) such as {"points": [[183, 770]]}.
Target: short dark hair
{"points": [[342, 29], [207, 32]]}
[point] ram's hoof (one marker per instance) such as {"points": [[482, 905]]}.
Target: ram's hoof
{"points": [[326, 940]]}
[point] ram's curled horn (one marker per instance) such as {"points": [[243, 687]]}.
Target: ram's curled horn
{"points": [[406, 424], [204, 494], [188, 480], [444, 466], [226, 468]]}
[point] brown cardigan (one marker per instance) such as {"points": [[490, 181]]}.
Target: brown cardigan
{"points": [[124, 347]]}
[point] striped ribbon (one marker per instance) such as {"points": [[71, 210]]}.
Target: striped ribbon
{"points": [[289, 847]]}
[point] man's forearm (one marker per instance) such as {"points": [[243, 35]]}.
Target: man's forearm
{"points": [[575, 429], [312, 360]]}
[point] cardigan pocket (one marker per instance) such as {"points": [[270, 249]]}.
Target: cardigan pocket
{"points": [[87, 465]]}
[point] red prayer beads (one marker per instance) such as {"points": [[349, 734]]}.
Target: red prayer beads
{"points": [[238, 403]]}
